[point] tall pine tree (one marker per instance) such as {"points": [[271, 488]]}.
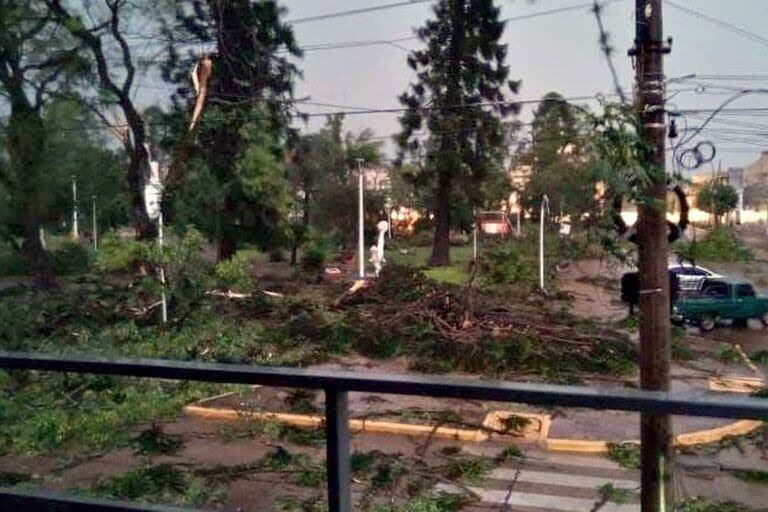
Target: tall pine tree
{"points": [[460, 96], [245, 126]]}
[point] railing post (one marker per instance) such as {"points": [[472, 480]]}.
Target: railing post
{"points": [[337, 450]]}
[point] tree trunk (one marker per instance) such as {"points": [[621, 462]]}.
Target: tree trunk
{"points": [[26, 143], [39, 261], [228, 234], [141, 223], [441, 242]]}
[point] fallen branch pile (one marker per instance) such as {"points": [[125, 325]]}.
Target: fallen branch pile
{"points": [[479, 330]]}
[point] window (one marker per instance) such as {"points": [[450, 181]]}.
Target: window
{"points": [[716, 289], [745, 290]]}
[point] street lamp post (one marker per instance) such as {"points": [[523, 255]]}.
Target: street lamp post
{"points": [[360, 219], [75, 231], [544, 207], [95, 226]]}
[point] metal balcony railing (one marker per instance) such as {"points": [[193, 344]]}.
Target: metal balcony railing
{"points": [[336, 385]]}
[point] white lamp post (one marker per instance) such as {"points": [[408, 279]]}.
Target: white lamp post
{"points": [[544, 207], [75, 230], [95, 226], [360, 219]]}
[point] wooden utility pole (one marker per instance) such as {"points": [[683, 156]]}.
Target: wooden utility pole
{"points": [[655, 353]]}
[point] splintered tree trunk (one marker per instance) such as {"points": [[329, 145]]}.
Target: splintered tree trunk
{"points": [[142, 225], [441, 243]]}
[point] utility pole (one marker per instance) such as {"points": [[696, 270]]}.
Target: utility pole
{"points": [[656, 448], [360, 219]]}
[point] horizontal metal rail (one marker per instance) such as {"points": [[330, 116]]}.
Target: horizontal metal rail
{"points": [[336, 385], [36, 501], [620, 399]]}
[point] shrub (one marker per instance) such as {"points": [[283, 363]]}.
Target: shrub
{"points": [[235, 273], [314, 257], [505, 264], [12, 263], [117, 253], [719, 245], [70, 258]]}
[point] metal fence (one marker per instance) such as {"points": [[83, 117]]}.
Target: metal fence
{"points": [[336, 386]]}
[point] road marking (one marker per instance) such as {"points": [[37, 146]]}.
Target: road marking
{"points": [[544, 501], [562, 479]]}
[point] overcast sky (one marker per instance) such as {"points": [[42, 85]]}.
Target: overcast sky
{"points": [[557, 52]]}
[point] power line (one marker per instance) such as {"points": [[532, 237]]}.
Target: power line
{"points": [[352, 12], [393, 41], [397, 110], [728, 26]]}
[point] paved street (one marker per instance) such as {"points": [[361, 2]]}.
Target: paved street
{"points": [[553, 482]]}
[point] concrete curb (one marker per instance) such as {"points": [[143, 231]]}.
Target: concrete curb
{"points": [[355, 425], [707, 436], [493, 421]]}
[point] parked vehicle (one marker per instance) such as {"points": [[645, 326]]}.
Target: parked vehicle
{"points": [[691, 276], [721, 299]]}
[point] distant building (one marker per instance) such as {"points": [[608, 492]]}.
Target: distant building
{"points": [[749, 209], [520, 175], [756, 183]]}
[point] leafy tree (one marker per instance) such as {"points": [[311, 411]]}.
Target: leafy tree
{"points": [[717, 198], [325, 190], [35, 59], [459, 97], [104, 36], [75, 146], [554, 129], [562, 166], [239, 145], [362, 146]]}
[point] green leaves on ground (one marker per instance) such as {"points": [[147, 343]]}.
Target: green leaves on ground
{"points": [[626, 454]]}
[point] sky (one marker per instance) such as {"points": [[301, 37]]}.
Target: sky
{"points": [[557, 52]]}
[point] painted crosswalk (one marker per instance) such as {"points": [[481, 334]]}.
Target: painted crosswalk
{"points": [[556, 483]]}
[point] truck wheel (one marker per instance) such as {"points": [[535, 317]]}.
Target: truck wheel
{"points": [[764, 318], [707, 323]]}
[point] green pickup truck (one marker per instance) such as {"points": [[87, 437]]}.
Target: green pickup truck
{"points": [[720, 299]]}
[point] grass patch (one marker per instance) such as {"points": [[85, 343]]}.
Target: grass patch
{"points": [[756, 476], [362, 462], [727, 354], [163, 483], [718, 245], [707, 505], [511, 452], [438, 503], [11, 478], [468, 470], [515, 424], [627, 455], [294, 504], [610, 492], [760, 357], [313, 476], [680, 351], [154, 441], [301, 401], [387, 475]]}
